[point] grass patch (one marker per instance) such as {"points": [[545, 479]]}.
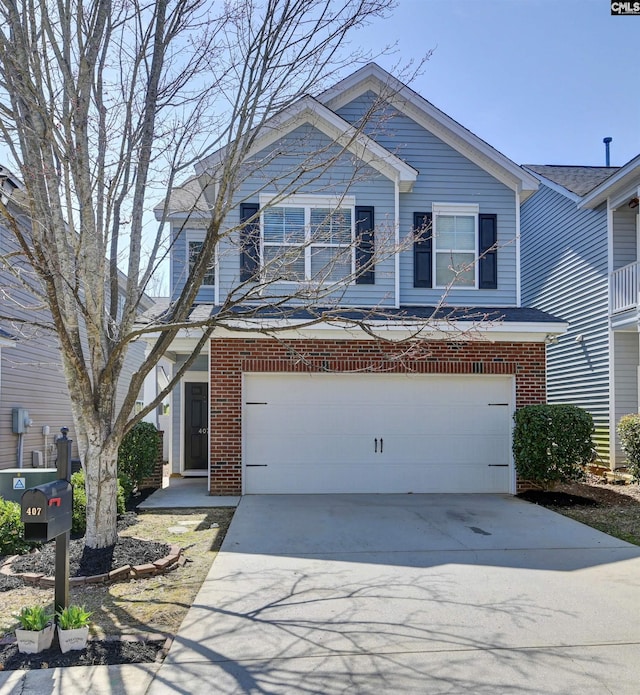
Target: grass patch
{"points": [[620, 522]]}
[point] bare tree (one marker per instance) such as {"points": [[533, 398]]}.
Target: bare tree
{"points": [[104, 105]]}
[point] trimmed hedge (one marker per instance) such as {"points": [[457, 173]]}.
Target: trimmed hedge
{"points": [[552, 443], [137, 455], [629, 433]]}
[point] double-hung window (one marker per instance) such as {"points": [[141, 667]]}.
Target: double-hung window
{"points": [[308, 238], [195, 241], [455, 237]]}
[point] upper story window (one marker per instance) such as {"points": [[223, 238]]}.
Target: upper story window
{"points": [[455, 245], [195, 240], [308, 238]]}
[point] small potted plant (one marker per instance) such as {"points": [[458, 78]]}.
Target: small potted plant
{"points": [[35, 633], [73, 627]]}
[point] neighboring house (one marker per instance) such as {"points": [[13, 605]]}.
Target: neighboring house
{"points": [[31, 374], [328, 409], [580, 251]]}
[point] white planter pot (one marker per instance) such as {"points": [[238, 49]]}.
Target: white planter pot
{"points": [[73, 639], [34, 641]]}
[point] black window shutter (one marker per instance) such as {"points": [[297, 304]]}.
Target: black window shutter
{"points": [[488, 264], [422, 246], [365, 245], [249, 242]]}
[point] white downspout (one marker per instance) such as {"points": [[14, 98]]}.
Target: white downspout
{"points": [[518, 272], [397, 242]]}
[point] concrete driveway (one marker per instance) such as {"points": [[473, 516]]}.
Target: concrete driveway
{"points": [[412, 594]]}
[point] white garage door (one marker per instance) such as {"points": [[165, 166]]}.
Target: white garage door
{"points": [[332, 433]]}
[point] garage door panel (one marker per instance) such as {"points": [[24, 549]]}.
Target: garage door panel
{"points": [[376, 433]]}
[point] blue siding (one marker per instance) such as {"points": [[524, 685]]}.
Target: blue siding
{"points": [[344, 177], [625, 241], [627, 359], [445, 176], [564, 272], [180, 232]]}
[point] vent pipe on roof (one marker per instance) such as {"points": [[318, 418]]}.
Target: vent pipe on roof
{"points": [[607, 142]]}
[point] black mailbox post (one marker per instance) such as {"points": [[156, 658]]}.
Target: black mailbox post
{"points": [[47, 510]]}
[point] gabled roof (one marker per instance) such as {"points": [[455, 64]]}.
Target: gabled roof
{"points": [[309, 110], [625, 180], [373, 78], [576, 179]]}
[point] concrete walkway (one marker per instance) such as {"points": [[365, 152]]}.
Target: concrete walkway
{"points": [[410, 594], [186, 493]]}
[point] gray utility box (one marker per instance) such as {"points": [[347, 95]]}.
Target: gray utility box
{"points": [[47, 510]]}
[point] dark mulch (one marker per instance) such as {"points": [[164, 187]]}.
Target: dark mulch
{"points": [[556, 498], [97, 652], [84, 562]]}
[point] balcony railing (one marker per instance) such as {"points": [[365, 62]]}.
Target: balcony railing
{"points": [[625, 288]]}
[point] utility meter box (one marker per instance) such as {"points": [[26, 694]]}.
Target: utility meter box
{"points": [[20, 420], [47, 510]]}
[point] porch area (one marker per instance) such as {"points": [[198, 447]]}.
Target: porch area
{"points": [[185, 493], [624, 288]]}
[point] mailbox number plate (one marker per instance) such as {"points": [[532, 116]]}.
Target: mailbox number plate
{"points": [[33, 511]]}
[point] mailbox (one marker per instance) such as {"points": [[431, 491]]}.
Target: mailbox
{"points": [[47, 510]]}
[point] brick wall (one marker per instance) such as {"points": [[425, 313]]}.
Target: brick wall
{"points": [[230, 358]]}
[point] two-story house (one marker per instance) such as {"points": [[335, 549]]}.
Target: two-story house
{"points": [[329, 407], [580, 250]]}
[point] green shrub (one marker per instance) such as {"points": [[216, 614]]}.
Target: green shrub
{"points": [[12, 540], [629, 433], [552, 443], [137, 455], [79, 512]]}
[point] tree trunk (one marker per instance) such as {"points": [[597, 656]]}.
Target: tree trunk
{"points": [[101, 476]]}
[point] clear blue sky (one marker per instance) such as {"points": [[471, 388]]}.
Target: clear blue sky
{"points": [[542, 81]]}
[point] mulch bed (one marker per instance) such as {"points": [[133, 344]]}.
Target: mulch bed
{"points": [[557, 498], [84, 562], [97, 653]]}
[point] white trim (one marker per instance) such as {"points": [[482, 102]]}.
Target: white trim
{"points": [[307, 200], [396, 259], [624, 177], [308, 110], [612, 400], [197, 377], [456, 210], [373, 78], [518, 254], [308, 245], [193, 234], [397, 331]]}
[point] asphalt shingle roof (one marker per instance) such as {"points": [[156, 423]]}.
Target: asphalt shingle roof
{"points": [[577, 179]]}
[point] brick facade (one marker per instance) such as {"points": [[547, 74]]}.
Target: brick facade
{"points": [[230, 358]]}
